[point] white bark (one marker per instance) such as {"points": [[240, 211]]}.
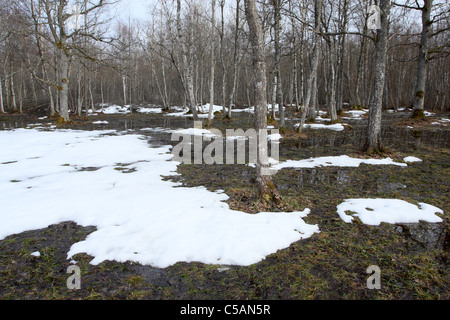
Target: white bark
{"points": [[422, 61], [211, 79], [314, 62], [186, 52], [373, 143], [2, 108], [265, 185]]}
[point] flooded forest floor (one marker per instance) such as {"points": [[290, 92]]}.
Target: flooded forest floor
{"points": [[413, 258]]}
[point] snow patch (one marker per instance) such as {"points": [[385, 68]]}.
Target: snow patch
{"points": [[36, 254], [335, 161], [412, 159], [376, 211], [139, 216], [334, 127]]}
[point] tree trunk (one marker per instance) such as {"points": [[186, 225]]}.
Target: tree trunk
{"points": [[274, 96], [341, 52], [235, 59], [13, 92], [373, 142], [266, 187], [422, 61], [64, 86], [277, 29], [222, 55], [332, 83], [80, 96], [2, 107], [187, 63], [212, 65], [314, 62]]}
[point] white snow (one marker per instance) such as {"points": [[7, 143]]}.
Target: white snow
{"points": [[139, 217], [274, 137], [356, 114], [36, 254], [376, 211], [149, 110], [157, 129], [334, 127], [249, 109], [114, 109], [202, 111], [196, 132], [100, 122], [412, 159], [335, 161]]}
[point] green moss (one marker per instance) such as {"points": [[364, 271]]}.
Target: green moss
{"points": [[420, 94], [135, 280], [418, 114]]}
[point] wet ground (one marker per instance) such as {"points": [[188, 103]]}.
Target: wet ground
{"points": [[413, 258]]}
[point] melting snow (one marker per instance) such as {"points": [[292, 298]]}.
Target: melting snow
{"points": [[139, 217], [376, 211]]}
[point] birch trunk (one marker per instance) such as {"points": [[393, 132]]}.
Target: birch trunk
{"points": [[124, 89], [314, 62], [212, 65], [13, 93], [222, 55], [341, 52], [274, 97], [64, 87], [373, 142], [332, 83], [235, 60], [2, 107], [80, 97], [422, 61], [266, 187], [187, 63], [277, 27]]}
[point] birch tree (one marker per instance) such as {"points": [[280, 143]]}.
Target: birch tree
{"points": [[266, 187], [277, 57], [58, 17], [423, 55], [373, 141], [187, 58], [314, 62], [212, 62]]}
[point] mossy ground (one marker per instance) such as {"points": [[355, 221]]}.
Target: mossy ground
{"points": [[329, 265]]}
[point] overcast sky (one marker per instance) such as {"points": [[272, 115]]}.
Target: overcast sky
{"points": [[138, 9]]}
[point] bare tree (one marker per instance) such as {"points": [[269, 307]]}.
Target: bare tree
{"points": [[211, 80], [373, 142], [57, 16], [266, 187], [235, 58], [277, 58], [424, 52], [314, 61], [187, 56]]}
